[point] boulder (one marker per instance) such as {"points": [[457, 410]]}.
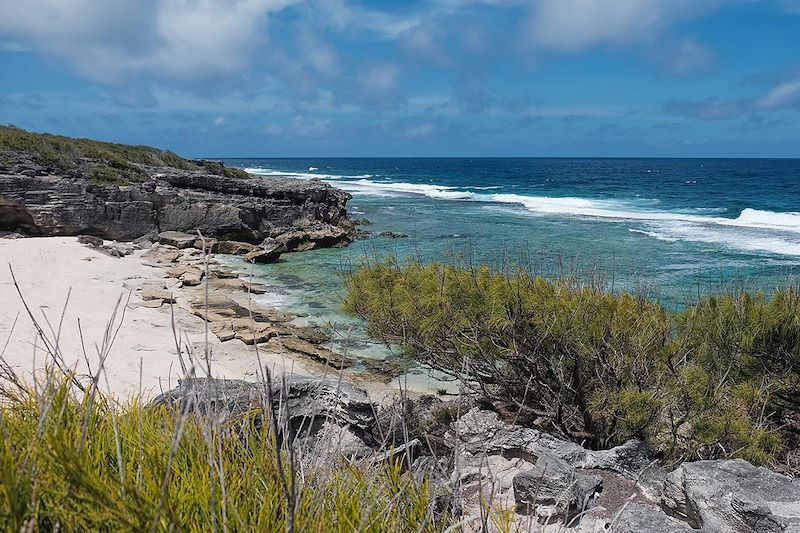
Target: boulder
{"points": [[90, 240], [315, 236], [552, 488], [638, 517], [178, 239], [733, 496], [269, 252], [301, 399], [236, 248]]}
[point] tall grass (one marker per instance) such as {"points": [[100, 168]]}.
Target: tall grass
{"points": [[217, 477], [75, 459]]}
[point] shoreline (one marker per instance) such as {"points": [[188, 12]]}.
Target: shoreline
{"points": [[54, 272]]}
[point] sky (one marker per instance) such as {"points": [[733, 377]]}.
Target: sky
{"points": [[461, 78]]}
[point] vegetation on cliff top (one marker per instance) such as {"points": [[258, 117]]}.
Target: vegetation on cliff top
{"points": [[717, 380], [102, 162]]}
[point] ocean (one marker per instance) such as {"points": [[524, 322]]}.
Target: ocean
{"points": [[674, 228]]}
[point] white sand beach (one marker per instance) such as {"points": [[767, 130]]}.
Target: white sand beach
{"points": [[58, 274]]}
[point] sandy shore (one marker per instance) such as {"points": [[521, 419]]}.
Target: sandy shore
{"points": [[47, 268]]}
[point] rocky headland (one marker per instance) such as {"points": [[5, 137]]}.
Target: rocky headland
{"points": [[56, 186]]}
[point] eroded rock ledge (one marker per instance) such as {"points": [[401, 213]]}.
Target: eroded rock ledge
{"points": [[304, 213]]}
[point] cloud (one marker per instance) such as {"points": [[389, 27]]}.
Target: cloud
{"points": [[302, 127], [684, 56], [783, 95], [219, 121], [345, 17], [376, 87], [712, 109], [114, 41], [572, 25]]}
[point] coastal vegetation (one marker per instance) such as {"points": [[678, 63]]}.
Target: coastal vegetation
{"points": [[82, 462], [718, 379], [102, 162]]}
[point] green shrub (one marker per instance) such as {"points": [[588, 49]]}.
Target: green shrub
{"points": [[95, 158], [717, 380]]}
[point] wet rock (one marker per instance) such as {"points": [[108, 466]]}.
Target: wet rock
{"points": [[254, 288], [310, 334], [393, 235], [315, 236], [319, 353]]}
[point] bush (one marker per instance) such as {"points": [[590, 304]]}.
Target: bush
{"points": [[716, 380], [104, 163], [71, 464]]}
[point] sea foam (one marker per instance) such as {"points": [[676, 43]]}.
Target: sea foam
{"points": [[752, 230]]}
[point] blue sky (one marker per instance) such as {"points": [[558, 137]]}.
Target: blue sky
{"points": [[226, 78]]}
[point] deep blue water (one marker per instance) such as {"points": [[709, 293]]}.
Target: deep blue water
{"points": [[674, 227]]}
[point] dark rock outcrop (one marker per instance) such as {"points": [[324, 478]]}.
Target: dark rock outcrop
{"points": [[300, 214], [301, 400]]}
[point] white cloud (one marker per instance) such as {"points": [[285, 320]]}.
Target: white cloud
{"points": [[303, 127], [380, 79], [571, 25], [113, 40], [782, 95], [346, 17], [219, 121], [685, 56]]}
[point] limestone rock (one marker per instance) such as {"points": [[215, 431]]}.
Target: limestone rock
{"points": [[158, 293], [90, 240], [269, 252], [638, 517], [236, 248], [733, 496], [220, 207], [178, 239], [302, 399], [553, 488], [316, 352]]}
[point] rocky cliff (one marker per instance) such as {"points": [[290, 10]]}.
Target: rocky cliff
{"points": [[86, 193]]}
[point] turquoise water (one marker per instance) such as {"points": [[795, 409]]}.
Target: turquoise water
{"points": [[674, 228]]}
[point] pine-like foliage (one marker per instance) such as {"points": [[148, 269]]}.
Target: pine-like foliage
{"points": [[718, 379]]}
